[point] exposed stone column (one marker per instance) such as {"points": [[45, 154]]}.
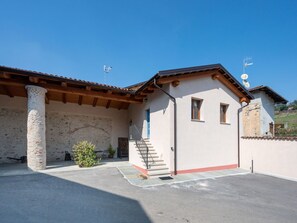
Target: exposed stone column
{"points": [[36, 150]]}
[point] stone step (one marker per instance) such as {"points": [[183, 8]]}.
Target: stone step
{"points": [[154, 161], [157, 168], [152, 157], [149, 153], [144, 149], [159, 173], [144, 146], [157, 164]]}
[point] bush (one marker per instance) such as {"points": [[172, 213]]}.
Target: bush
{"points": [[84, 154], [111, 151]]}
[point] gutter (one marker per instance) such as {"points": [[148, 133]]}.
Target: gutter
{"points": [[238, 131], [174, 125]]}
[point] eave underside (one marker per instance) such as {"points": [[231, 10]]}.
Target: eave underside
{"points": [[13, 85]]}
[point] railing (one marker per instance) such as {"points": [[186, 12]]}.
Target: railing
{"points": [[134, 134]]}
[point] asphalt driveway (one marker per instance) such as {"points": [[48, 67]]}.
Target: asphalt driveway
{"points": [[103, 195]]}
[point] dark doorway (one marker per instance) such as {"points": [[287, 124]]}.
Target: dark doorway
{"points": [[123, 147]]}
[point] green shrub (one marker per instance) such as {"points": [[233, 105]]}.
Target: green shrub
{"points": [[84, 154], [111, 151]]}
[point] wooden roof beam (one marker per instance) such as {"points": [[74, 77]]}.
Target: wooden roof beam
{"points": [[46, 99], [64, 98], [121, 105], [75, 91], [175, 83], [80, 99], [95, 102], [5, 75], [167, 80], [34, 80], [7, 91], [148, 91], [108, 104], [151, 88]]}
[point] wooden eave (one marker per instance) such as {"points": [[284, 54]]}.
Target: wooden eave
{"points": [[12, 83], [217, 72]]}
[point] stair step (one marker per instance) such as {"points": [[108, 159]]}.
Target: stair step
{"points": [[154, 160], [156, 168], [151, 157], [143, 149], [159, 173], [149, 153], [157, 164], [144, 146]]}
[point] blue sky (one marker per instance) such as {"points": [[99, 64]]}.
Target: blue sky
{"points": [[138, 38]]}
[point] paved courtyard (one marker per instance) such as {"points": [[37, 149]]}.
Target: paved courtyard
{"points": [[103, 195]]}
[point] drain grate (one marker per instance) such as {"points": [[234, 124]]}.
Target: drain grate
{"points": [[166, 178]]}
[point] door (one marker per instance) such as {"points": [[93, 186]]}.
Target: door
{"points": [[123, 147], [148, 123]]}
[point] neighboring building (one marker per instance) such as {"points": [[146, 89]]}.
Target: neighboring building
{"points": [[258, 116], [43, 115]]}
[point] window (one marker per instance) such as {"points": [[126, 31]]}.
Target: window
{"points": [[223, 113], [196, 109]]}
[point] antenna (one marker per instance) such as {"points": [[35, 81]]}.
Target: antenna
{"points": [[246, 62], [106, 70]]}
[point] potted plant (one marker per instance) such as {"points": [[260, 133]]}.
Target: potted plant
{"points": [[111, 151]]}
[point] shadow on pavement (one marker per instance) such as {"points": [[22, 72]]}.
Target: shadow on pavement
{"points": [[43, 198]]}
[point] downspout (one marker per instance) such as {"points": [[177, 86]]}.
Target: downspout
{"points": [[238, 131], [174, 125]]}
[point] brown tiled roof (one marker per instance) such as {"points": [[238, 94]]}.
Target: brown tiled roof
{"points": [[198, 70], [62, 78], [271, 93]]}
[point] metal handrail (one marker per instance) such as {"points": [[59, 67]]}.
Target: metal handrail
{"points": [[140, 143]]}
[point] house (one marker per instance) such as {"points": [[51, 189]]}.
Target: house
{"points": [[258, 116], [179, 121]]}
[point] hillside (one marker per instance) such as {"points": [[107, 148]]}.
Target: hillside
{"points": [[289, 119]]}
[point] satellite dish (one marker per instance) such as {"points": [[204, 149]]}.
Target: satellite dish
{"points": [[246, 62], [246, 84], [244, 76]]}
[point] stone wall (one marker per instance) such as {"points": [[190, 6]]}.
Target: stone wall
{"points": [[65, 125], [64, 130], [251, 120], [13, 134]]}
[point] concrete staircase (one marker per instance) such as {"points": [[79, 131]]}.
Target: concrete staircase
{"points": [[156, 166]]}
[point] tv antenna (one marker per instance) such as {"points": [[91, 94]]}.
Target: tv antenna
{"points": [[106, 70], [246, 62]]}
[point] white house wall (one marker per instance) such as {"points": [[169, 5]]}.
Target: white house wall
{"points": [[65, 125], [160, 130], [206, 144], [267, 111]]}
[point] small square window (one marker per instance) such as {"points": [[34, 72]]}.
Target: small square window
{"points": [[196, 109], [223, 113]]}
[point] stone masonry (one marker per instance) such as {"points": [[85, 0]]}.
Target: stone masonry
{"points": [[251, 120], [36, 144]]}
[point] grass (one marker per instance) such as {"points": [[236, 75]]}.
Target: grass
{"points": [[290, 120]]}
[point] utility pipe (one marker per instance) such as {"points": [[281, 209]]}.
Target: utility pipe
{"points": [[174, 125], [238, 131]]}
